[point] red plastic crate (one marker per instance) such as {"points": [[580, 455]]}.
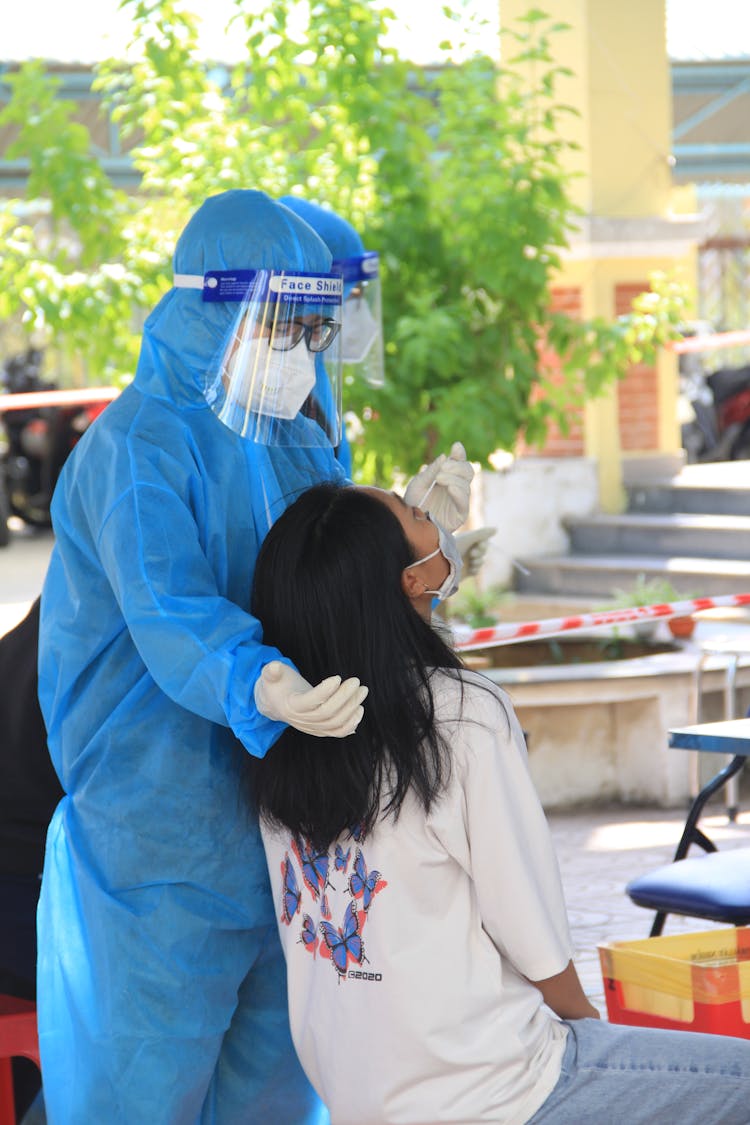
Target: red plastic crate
{"points": [[690, 982]]}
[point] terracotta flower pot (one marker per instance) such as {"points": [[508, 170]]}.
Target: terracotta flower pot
{"points": [[681, 627]]}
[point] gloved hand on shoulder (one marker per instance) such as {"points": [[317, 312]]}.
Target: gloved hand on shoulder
{"points": [[331, 709], [473, 548], [443, 488]]}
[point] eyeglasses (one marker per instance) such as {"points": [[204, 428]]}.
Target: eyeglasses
{"points": [[318, 336]]}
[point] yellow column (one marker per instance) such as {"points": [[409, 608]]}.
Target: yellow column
{"points": [[602, 442], [621, 90]]}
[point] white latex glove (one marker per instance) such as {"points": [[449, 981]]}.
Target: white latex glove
{"points": [[473, 548], [332, 709], [444, 488]]}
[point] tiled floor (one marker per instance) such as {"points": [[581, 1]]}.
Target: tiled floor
{"points": [[600, 850]]}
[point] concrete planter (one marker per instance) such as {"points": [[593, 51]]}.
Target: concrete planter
{"points": [[598, 732]]}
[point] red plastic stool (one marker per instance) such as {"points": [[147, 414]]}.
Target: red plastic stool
{"points": [[18, 1036]]}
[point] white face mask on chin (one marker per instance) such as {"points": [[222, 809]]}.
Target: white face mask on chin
{"points": [[274, 383], [448, 548]]}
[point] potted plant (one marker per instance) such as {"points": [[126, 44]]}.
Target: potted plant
{"points": [[655, 591], [681, 627]]}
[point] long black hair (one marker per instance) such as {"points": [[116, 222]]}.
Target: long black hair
{"points": [[328, 594]]}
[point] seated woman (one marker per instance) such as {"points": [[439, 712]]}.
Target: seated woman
{"points": [[420, 907]]}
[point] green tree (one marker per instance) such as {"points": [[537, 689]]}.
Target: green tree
{"points": [[74, 266], [456, 177]]}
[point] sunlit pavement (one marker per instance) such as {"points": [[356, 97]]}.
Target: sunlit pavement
{"points": [[600, 849], [23, 565]]}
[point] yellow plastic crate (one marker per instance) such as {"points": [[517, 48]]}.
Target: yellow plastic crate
{"points": [[697, 982]]}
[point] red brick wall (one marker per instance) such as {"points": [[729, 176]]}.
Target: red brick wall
{"points": [[565, 299], [638, 392]]}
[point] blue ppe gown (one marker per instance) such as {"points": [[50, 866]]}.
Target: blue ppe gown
{"points": [[161, 983]]}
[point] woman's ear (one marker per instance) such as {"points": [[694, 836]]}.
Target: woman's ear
{"points": [[411, 584]]}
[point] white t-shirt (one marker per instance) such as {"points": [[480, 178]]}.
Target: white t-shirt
{"points": [[407, 951]]}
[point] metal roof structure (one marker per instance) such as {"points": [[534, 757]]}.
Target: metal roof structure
{"points": [[711, 120], [75, 85], [711, 133]]}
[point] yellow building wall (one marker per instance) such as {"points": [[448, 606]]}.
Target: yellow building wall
{"points": [[621, 89]]}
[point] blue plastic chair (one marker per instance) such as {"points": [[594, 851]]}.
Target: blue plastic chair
{"points": [[715, 886]]}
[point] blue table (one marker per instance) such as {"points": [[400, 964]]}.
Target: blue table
{"points": [[730, 737]]}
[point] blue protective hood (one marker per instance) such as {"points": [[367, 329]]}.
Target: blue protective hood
{"points": [[339, 236], [232, 231]]}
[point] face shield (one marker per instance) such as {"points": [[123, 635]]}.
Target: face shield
{"points": [[362, 331], [276, 377]]}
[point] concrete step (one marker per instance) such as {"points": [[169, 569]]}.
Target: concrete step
{"points": [[714, 536], [721, 488], [686, 498], [596, 576]]}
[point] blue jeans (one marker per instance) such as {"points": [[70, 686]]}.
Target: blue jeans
{"points": [[640, 1076]]}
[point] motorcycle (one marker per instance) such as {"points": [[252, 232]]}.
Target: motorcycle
{"points": [[714, 411], [34, 444]]}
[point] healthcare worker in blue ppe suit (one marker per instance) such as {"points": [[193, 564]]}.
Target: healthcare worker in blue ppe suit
{"points": [[160, 980], [362, 317]]}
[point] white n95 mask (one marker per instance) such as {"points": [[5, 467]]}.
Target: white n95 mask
{"points": [[274, 383], [448, 548]]}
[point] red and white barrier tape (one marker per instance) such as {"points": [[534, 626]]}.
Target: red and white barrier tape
{"points": [[35, 400], [467, 638], [708, 342]]}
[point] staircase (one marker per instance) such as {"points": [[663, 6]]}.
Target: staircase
{"points": [[692, 528]]}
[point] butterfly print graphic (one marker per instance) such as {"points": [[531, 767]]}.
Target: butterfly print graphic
{"points": [[308, 935], [362, 885], [290, 892], [344, 944], [341, 862], [325, 909], [314, 866]]}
